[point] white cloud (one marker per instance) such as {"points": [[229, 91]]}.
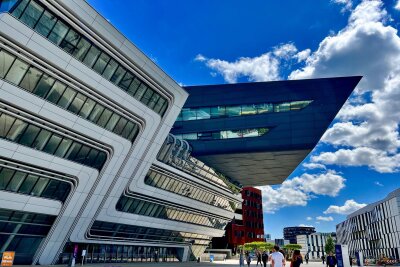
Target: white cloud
{"points": [[378, 183], [348, 4], [309, 218], [305, 225], [325, 219], [349, 206], [297, 191], [375, 159], [261, 68], [312, 166], [303, 55], [397, 6]]}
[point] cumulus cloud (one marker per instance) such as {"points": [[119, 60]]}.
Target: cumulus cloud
{"points": [[348, 4], [309, 218], [312, 165], [303, 55], [265, 67], [325, 219], [299, 190], [305, 225], [349, 206], [397, 6]]}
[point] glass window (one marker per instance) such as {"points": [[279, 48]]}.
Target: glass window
{"points": [[282, 107], [82, 154], [53, 143], [190, 136], [101, 63], [40, 186], [205, 136], [91, 56], [163, 108], [128, 129], [28, 184], [16, 181], [91, 157], [297, 105], [265, 108], [44, 86], [133, 86], [232, 111], [73, 151], [100, 160], [32, 14], [56, 91], [105, 116], [118, 74], [6, 121], [31, 79], [41, 139], [49, 191], [110, 69], [16, 130], [120, 125], [147, 96], [29, 135], [203, 113], [250, 133], [6, 60], [81, 49], [96, 113], [188, 114], [140, 91], [69, 44], [46, 23], [5, 177], [87, 108], [249, 110], [126, 81], [77, 103], [262, 131], [63, 147], [159, 105], [66, 98], [20, 8], [112, 122], [58, 32], [153, 100], [17, 71]]}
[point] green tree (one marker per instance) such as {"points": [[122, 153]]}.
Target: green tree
{"points": [[290, 248], [330, 245], [258, 246]]}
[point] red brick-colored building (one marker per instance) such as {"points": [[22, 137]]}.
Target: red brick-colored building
{"points": [[248, 225]]}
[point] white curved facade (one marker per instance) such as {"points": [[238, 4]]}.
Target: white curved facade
{"points": [[94, 191]]}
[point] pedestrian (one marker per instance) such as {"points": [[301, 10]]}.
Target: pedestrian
{"points": [[264, 258], [307, 258], [277, 258], [331, 260], [351, 260], [248, 259], [323, 259], [297, 259], [259, 258], [241, 259]]}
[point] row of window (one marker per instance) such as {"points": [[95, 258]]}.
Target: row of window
{"points": [[31, 135], [33, 184], [185, 189], [145, 208], [102, 253], [254, 214], [124, 231], [229, 134], [205, 113], [252, 194], [32, 79], [23, 232], [255, 225], [253, 204], [56, 30]]}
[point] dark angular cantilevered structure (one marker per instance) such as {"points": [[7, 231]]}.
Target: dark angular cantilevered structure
{"points": [[257, 133]]}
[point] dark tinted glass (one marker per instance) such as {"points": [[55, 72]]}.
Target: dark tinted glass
{"points": [[76, 105], [29, 135], [66, 98], [46, 23], [52, 144], [17, 71], [63, 147], [6, 122], [5, 177], [6, 60], [101, 63], [28, 184], [81, 49], [44, 85], [110, 69], [31, 79], [32, 14], [41, 139], [91, 56], [16, 130], [58, 32], [56, 91]]}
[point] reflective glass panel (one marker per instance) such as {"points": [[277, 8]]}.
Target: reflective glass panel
{"points": [[46, 23], [44, 86], [6, 60], [6, 122], [77, 103], [66, 98], [69, 43], [29, 135], [16, 130], [249, 110], [282, 107], [112, 122], [31, 14], [63, 147], [232, 111], [28, 184], [58, 32], [105, 116], [17, 71], [91, 56], [101, 63], [110, 69], [52, 144], [87, 108], [41, 139], [56, 91], [188, 114], [31, 79], [16, 181], [81, 49]]}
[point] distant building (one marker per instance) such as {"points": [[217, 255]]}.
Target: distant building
{"points": [[247, 225], [314, 244], [374, 229], [267, 237], [290, 233], [281, 242]]}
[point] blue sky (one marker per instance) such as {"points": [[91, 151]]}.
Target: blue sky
{"points": [[210, 42]]}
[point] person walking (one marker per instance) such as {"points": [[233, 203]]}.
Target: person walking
{"points": [[264, 258], [277, 258], [297, 259], [307, 258], [248, 258], [241, 259], [323, 259], [351, 261], [331, 260], [259, 258]]}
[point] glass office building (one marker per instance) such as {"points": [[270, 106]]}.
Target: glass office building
{"points": [[101, 151]]}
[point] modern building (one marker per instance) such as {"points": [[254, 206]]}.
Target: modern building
{"points": [[247, 226], [281, 242], [291, 233], [87, 161], [374, 230], [314, 244]]}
